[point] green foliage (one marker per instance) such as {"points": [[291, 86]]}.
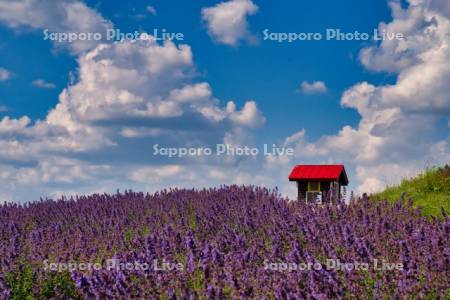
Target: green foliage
{"points": [[198, 278], [192, 219], [21, 282], [429, 190], [369, 283], [60, 284], [227, 291], [128, 235], [195, 281], [181, 258]]}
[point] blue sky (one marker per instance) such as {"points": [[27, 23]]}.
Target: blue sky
{"points": [[366, 116], [268, 72]]}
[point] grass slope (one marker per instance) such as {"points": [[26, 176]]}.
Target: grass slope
{"points": [[429, 190]]}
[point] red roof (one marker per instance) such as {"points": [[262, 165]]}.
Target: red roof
{"points": [[319, 172]]}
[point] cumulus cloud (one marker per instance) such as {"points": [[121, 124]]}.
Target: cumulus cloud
{"points": [[159, 173], [61, 16], [142, 82], [199, 175], [248, 116], [315, 87], [128, 96], [396, 136], [4, 74], [8, 125], [151, 10], [41, 83], [227, 21]]}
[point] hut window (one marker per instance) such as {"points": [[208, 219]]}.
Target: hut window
{"points": [[313, 186]]}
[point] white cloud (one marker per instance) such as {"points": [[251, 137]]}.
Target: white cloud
{"points": [[128, 97], [227, 21], [6, 198], [157, 173], [396, 136], [41, 83], [8, 125], [200, 176], [141, 82], [151, 10], [56, 16], [248, 116], [139, 132], [315, 87], [4, 74]]}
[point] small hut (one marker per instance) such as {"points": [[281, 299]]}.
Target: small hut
{"points": [[319, 183]]}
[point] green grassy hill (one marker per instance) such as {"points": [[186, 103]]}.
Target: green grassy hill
{"points": [[430, 190]]}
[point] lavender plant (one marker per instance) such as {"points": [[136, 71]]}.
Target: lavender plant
{"points": [[217, 244]]}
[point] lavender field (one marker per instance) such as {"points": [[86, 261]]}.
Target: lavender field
{"points": [[227, 243]]}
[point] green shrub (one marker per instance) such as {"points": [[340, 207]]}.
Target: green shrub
{"points": [[429, 190]]}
